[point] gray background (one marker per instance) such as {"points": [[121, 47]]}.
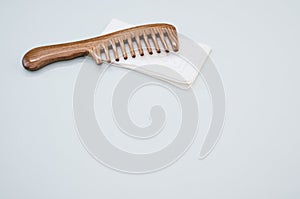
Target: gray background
{"points": [[255, 46]]}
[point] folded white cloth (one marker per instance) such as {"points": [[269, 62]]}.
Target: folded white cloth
{"points": [[175, 68]]}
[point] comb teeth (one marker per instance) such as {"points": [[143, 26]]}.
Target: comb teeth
{"points": [[152, 36], [114, 48], [130, 44]]}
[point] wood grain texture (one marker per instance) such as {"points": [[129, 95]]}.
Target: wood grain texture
{"points": [[42, 56]]}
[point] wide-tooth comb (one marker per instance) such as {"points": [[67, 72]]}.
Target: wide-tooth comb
{"points": [[106, 45]]}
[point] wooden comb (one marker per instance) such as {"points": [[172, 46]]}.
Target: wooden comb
{"points": [[107, 45]]}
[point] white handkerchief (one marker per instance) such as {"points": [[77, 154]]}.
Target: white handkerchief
{"points": [[169, 67]]}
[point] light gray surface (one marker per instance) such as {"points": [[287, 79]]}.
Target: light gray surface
{"points": [[255, 46]]}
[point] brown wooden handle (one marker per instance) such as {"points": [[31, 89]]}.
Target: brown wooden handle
{"points": [[42, 56]]}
